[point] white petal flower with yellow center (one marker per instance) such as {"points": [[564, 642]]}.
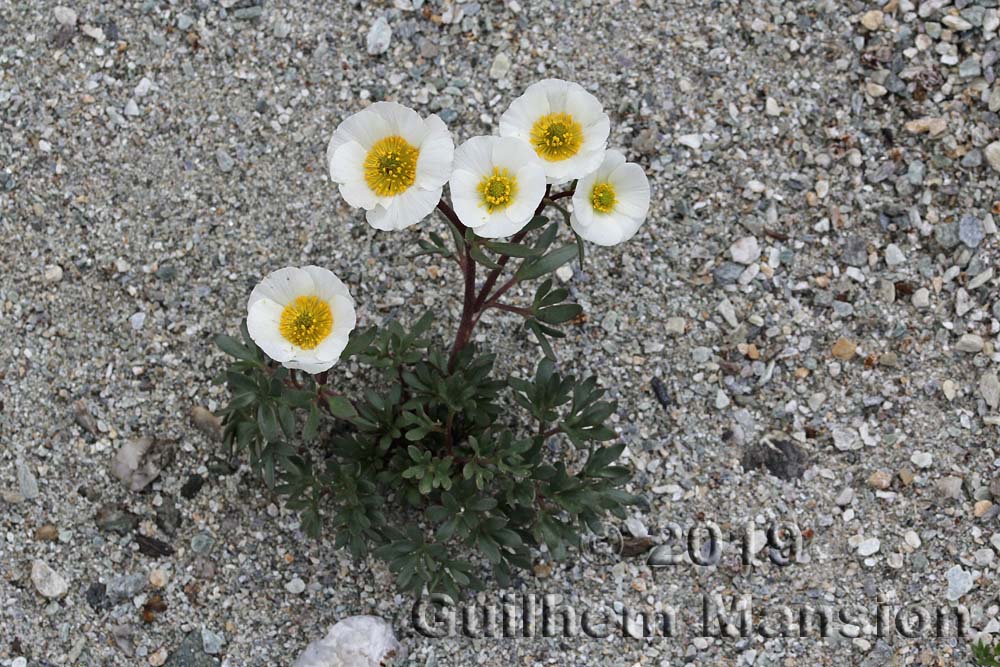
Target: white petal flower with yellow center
{"points": [[301, 317], [392, 163], [610, 204], [563, 123], [497, 184]]}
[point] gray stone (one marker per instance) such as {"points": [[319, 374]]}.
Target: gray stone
{"points": [[972, 159], [675, 326], [727, 273], [992, 153], [356, 641], [501, 66], [970, 343], [47, 581], [970, 231], [960, 582], [869, 547], [950, 487], [379, 37], [65, 16], [224, 161], [211, 642], [893, 255], [249, 13], [989, 387], [745, 251], [855, 251], [947, 235], [202, 543], [27, 484], [126, 587]]}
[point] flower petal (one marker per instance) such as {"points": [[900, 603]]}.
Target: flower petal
{"points": [[437, 152], [605, 229], [263, 325], [401, 121], [364, 127], [404, 210], [475, 156], [310, 364], [632, 189], [282, 286], [499, 225], [523, 112], [465, 199]]}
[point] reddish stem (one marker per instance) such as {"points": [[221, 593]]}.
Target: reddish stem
{"points": [[468, 321]]}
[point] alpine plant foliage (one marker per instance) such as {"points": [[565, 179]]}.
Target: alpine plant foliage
{"points": [[441, 468]]}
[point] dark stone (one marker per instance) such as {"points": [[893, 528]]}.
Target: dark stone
{"points": [[97, 596], [782, 458], [166, 272], [153, 547], [168, 517], [660, 391], [727, 273], [114, 518], [191, 654], [192, 486], [635, 546]]}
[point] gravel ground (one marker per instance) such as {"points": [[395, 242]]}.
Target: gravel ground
{"points": [[819, 271]]}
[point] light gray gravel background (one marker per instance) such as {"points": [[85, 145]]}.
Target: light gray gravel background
{"points": [[820, 266]]}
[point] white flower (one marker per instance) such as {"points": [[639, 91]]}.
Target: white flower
{"points": [[497, 185], [301, 317], [610, 204], [564, 124], [392, 163]]}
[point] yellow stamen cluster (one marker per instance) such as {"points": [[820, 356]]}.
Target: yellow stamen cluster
{"points": [[497, 190], [556, 136], [391, 166], [306, 322], [603, 197]]}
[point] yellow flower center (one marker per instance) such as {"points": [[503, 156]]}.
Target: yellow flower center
{"points": [[497, 190], [603, 197], [306, 322], [391, 166], [556, 136]]}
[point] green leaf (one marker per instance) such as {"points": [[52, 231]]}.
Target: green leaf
{"points": [[421, 326], [359, 342], [537, 222], [287, 420], [341, 408], [511, 249], [559, 314], [536, 329], [312, 424], [480, 256], [267, 421], [546, 264], [579, 245], [234, 348]]}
